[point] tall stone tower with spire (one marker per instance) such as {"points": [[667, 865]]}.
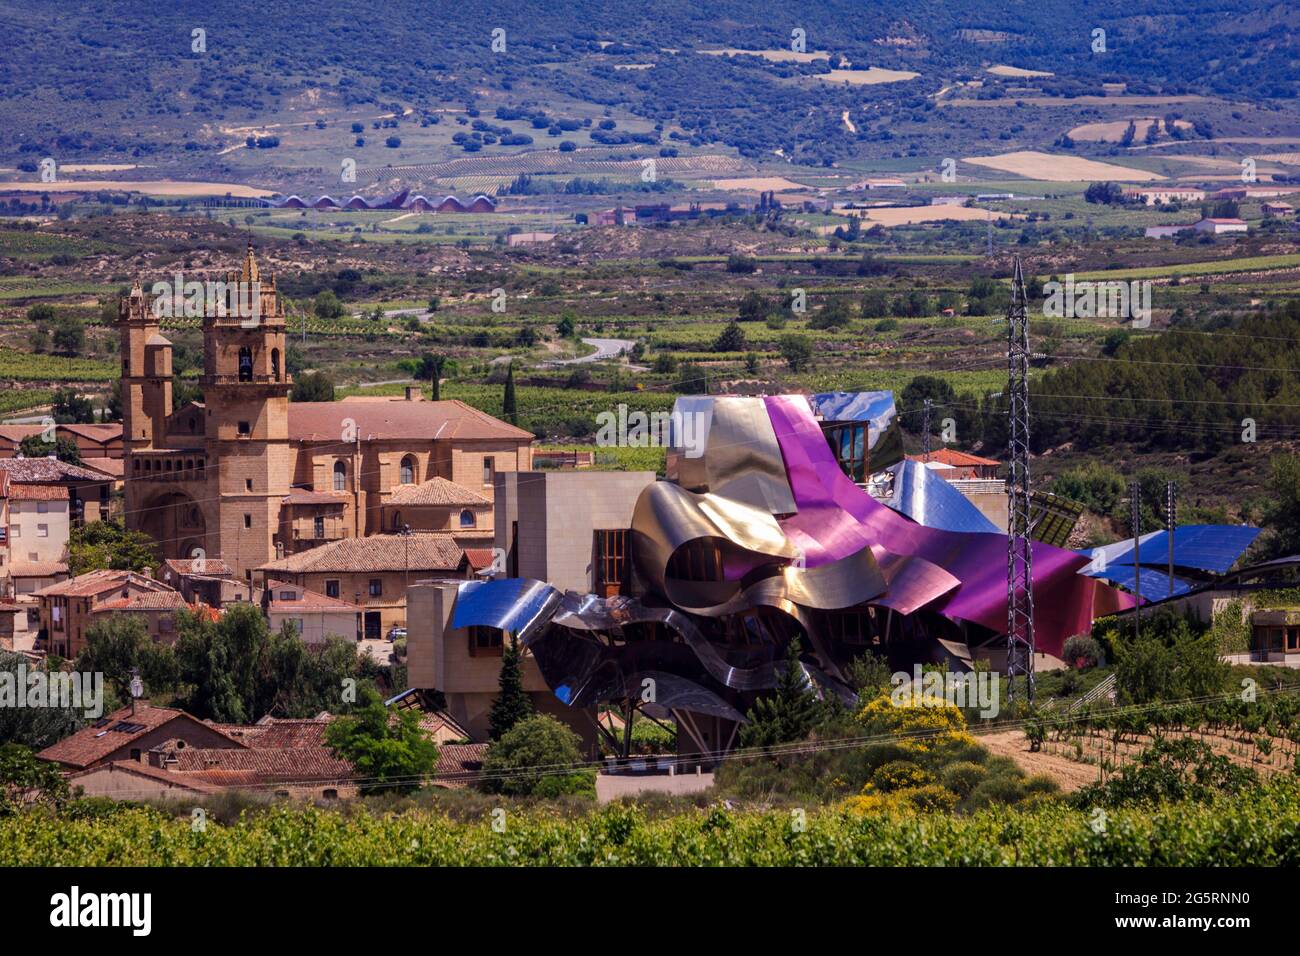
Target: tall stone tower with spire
{"points": [[146, 372], [246, 398]]}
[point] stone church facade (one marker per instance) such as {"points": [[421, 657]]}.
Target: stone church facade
{"points": [[248, 476]]}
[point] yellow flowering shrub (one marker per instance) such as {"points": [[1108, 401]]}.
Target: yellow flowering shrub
{"points": [[919, 724]]}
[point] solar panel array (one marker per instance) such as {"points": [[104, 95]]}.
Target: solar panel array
{"points": [[1052, 518]]}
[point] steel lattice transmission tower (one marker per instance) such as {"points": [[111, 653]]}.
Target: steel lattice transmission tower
{"points": [[1020, 589]]}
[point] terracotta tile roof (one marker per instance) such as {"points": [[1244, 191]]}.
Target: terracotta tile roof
{"points": [[268, 765], [278, 733], [16, 433], [459, 764], [380, 552], [304, 496], [37, 569], [955, 459], [113, 467], [21, 491], [100, 433], [211, 567], [137, 769], [97, 582], [148, 601], [92, 743], [435, 491], [398, 418], [24, 492], [441, 722], [306, 600], [479, 558], [46, 470]]}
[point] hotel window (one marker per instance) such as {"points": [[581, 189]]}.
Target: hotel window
{"points": [[408, 470], [42, 507], [15, 531], [318, 525], [699, 560], [849, 442], [488, 467], [248, 484], [611, 564], [244, 428], [340, 476], [248, 521], [332, 589], [484, 641], [42, 531], [376, 587], [467, 519]]}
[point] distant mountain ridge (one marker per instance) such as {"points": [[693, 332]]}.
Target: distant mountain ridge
{"points": [[122, 78]]}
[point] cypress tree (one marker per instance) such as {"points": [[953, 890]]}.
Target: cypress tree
{"points": [[512, 704], [509, 408], [789, 713]]}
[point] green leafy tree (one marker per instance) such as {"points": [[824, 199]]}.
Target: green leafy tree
{"points": [[35, 727], [1282, 513], [833, 315], [387, 749], [538, 756], [100, 545], [236, 670], [565, 327], [797, 350], [512, 704], [41, 313], [312, 387], [327, 305], [692, 379], [24, 778], [63, 448], [432, 367], [754, 307], [119, 646], [1097, 486], [731, 339], [68, 335], [70, 408]]}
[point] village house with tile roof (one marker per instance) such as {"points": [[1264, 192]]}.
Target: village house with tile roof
{"points": [[370, 572]]}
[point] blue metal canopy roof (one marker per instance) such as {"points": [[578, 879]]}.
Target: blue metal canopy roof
{"points": [[928, 499], [1203, 547], [511, 604]]}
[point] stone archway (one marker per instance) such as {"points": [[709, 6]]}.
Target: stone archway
{"points": [[176, 523]]}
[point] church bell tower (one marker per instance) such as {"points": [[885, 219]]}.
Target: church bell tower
{"points": [[246, 394]]}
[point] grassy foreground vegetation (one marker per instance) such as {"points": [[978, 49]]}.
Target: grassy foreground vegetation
{"points": [[1261, 829]]}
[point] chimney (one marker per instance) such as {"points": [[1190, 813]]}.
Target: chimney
{"points": [[414, 393]]}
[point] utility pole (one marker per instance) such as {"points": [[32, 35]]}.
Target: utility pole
{"points": [[1171, 522], [1020, 585], [1135, 518], [925, 430]]}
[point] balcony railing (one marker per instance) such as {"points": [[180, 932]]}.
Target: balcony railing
{"points": [[312, 534]]}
